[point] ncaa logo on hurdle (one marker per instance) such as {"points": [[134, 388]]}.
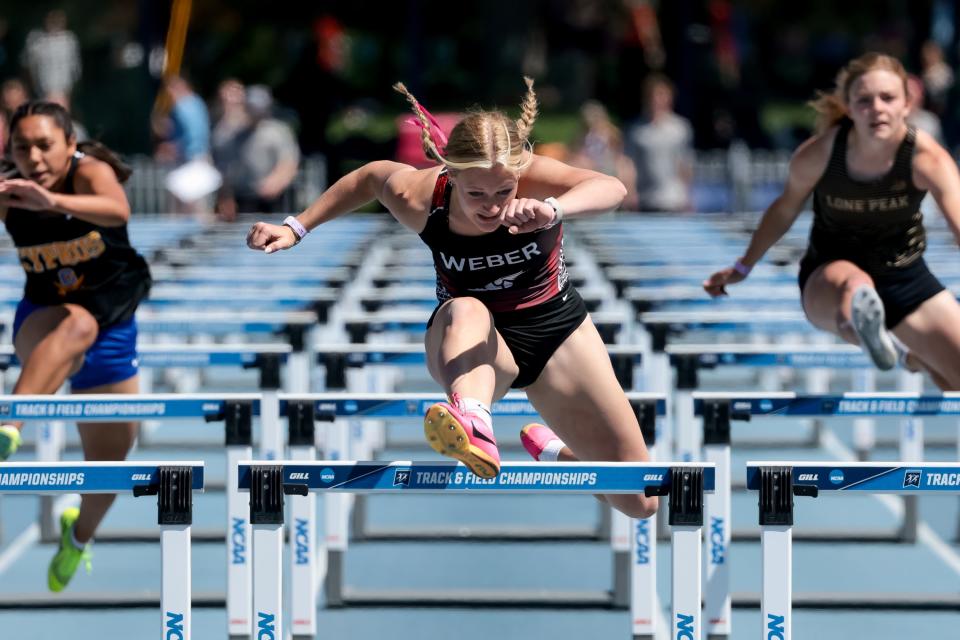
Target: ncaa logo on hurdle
{"points": [[911, 478], [836, 476], [327, 475], [401, 478], [5, 409]]}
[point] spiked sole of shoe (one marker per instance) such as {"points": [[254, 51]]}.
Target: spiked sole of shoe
{"points": [[448, 437]]}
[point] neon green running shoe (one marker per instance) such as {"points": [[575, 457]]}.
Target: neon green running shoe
{"points": [[68, 557], [9, 441]]}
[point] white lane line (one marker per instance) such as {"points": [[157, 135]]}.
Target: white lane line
{"points": [[31, 535], [925, 534], [26, 539]]}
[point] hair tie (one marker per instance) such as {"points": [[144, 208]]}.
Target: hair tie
{"points": [[434, 130]]}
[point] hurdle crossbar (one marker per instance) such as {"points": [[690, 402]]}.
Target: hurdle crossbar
{"points": [[719, 410], [237, 410], [172, 482], [267, 483], [778, 482], [342, 444]]}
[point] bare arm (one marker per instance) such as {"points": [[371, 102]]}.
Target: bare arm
{"points": [[99, 197], [806, 167], [580, 192], [397, 186], [357, 188], [935, 171]]}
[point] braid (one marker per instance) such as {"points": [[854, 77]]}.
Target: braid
{"points": [[429, 147], [528, 111]]}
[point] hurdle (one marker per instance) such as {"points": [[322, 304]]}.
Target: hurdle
{"points": [[295, 327], [718, 410], [304, 410], [815, 360], [172, 482], [777, 484], [658, 326], [268, 483], [236, 410]]}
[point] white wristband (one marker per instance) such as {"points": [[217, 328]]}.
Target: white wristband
{"points": [[298, 229], [557, 212]]}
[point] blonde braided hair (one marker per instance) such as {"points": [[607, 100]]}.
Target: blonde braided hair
{"points": [[482, 139]]}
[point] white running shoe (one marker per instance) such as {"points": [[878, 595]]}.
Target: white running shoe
{"points": [[869, 323]]}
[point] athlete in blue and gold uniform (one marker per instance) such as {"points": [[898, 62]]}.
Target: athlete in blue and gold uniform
{"points": [[67, 213]]}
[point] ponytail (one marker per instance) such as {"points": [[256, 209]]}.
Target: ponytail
{"points": [[102, 152]]}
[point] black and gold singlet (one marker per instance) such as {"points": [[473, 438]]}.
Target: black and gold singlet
{"points": [[68, 260], [876, 224]]}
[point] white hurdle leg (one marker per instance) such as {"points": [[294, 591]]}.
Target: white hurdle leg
{"points": [[864, 433], [298, 372], [336, 509], [716, 576], [238, 426], [644, 605], [266, 516], [175, 515], [643, 583], [621, 528], [239, 565], [303, 556], [51, 437], [776, 542], [659, 379], [685, 577], [271, 435], [175, 589], [777, 546], [686, 525], [911, 448], [689, 435]]}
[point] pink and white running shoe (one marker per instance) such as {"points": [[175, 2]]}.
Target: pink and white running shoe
{"points": [[535, 437], [462, 435]]}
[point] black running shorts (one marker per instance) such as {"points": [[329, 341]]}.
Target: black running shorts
{"points": [[901, 290], [533, 334]]}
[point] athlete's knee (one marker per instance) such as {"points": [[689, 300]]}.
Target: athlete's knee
{"points": [[465, 311], [856, 280], [640, 507], [109, 444], [79, 328]]}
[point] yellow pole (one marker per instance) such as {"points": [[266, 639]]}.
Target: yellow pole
{"points": [[173, 49]]}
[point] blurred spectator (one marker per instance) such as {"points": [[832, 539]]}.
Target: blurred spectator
{"points": [[230, 116], [52, 56], [5, 69], [259, 163], [13, 93], [919, 117], [184, 132], [937, 76], [79, 130], [184, 135], [660, 145], [600, 148]]}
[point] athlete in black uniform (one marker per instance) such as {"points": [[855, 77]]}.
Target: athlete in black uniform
{"points": [[508, 317], [863, 277], [67, 213]]}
